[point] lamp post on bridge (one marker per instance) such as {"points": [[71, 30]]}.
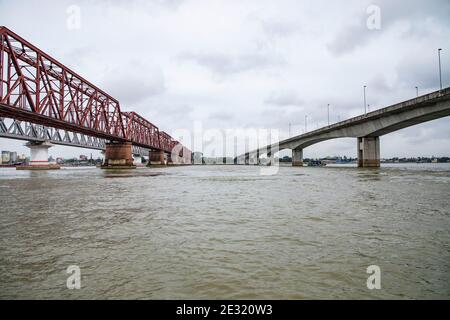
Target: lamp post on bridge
{"points": [[328, 114], [306, 123], [440, 69], [417, 91], [365, 100]]}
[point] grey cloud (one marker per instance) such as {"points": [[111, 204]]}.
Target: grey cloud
{"points": [[350, 38], [423, 72], [221, 116], [166, 116], [170, 4], [379, 83], [173, 112], [284, 99], [132, 83], [277, 28], [415, 12], [229, 64], [426, 132]]}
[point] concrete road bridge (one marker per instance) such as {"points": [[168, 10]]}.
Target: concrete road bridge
{"points": [[366, 128]]}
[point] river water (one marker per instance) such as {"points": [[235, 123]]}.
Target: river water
{"points": [[226, 232]]}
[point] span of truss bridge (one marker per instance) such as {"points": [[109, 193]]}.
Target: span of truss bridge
{"points": [[37, 89]]}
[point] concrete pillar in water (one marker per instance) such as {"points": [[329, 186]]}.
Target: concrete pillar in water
{"points": [[369, 152], [271, 157], [169, 158], [118, 155], [137, 160], [156, 157], [38, 157], [297, 157]]}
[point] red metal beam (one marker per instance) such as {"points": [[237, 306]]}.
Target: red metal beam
{"points": [[141, 131], [42, 85], [165, 141], [37, 88]]}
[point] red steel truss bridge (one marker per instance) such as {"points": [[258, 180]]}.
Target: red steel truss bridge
{"points": [[43, 100]]}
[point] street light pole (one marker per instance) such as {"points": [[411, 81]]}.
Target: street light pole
{"points": [[328, 114], [306, 123], [417, 91], [289, 129], [365, 103], [440, 70]]}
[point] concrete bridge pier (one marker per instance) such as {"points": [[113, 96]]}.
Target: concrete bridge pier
{"points": [[297, 157], [118, 155], [369, 152], [137, 160], [169, 158], [253, 159], [270, 157], [38, 157], [156, 157]]}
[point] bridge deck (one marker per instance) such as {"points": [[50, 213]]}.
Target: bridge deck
{"points": [[329, 132]]}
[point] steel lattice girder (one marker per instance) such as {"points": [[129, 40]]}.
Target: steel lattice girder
{"points": [[165, 141], [35, 87], [38, 88], [141, 131], [24, 130]]}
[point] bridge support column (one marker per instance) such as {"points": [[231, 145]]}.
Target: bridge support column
{"points": [[169, 158], [297, 157], [369, 152], [137, 160], [156, 157], [270, 158], [118, 155], [39, 157]]}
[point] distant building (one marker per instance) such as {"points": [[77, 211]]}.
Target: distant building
{"points": [[213, 160], [21, 158], [83, 157], [6, 157], [228, 160], [13, 157], [197, 157]]}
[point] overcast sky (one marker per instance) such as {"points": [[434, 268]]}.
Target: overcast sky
{"points": [[250, 64]]}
